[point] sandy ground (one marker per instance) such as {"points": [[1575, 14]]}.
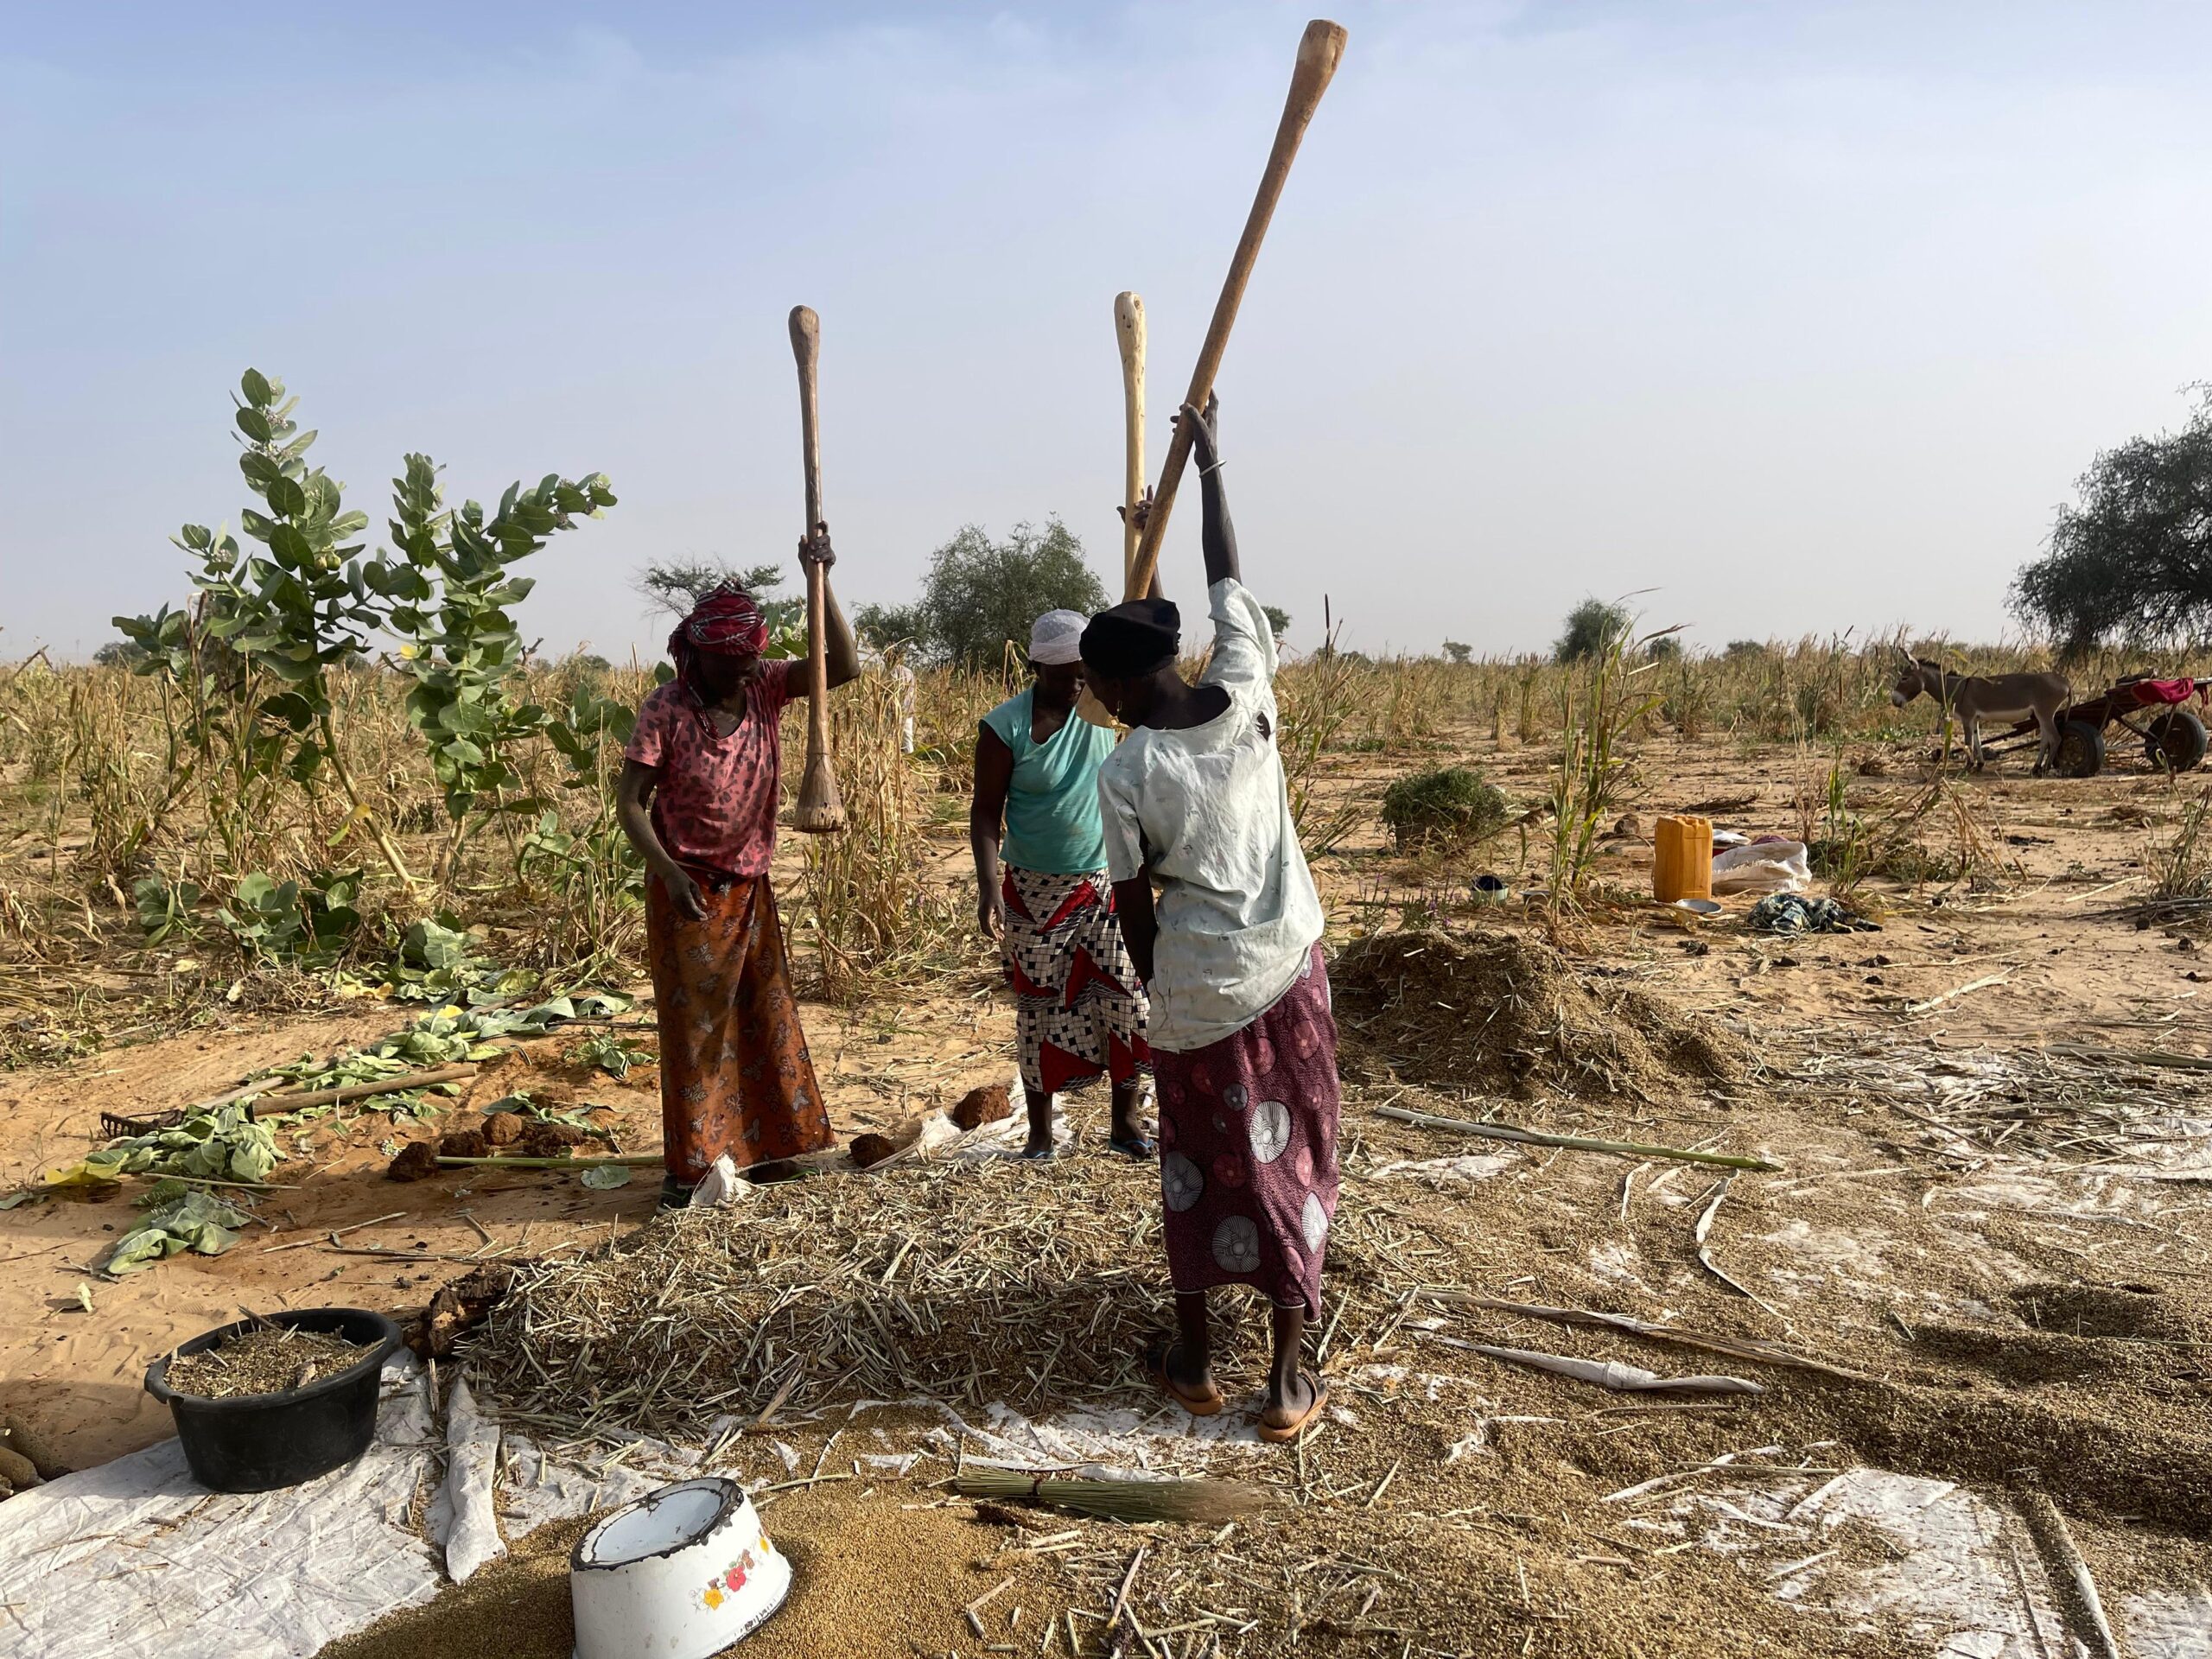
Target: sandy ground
{"points": [[1936, 1227]]}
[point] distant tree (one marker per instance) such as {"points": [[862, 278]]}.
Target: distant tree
{"points": [[886, 626], [120, 653], [1666, 648], [1591, 628], [1458, 653], [1278, 619], [1739, 651], [980, 594], [677, 585], [2132, 561]]}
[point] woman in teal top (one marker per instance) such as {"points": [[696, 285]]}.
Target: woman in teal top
{"points": [[1081, 1009]]}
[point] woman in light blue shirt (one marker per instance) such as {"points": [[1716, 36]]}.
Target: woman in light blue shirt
{"points": [[1041, 888]]}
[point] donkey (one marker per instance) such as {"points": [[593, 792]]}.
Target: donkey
{"points": [[2003, 698]]}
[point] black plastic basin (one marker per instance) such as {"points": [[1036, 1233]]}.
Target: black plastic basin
{"points": [[257, 1442]]}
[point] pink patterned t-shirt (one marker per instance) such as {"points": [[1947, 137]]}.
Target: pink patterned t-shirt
{"points": [[715, 800]]}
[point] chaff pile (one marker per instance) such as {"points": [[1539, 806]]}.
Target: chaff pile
{"points": [[1494, 1012], [970, 1281], [973, 1283]]}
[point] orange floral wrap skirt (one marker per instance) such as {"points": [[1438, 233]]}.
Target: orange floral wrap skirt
{"points": [[736, 1076]]}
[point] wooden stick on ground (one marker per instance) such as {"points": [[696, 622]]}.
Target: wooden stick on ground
{"points": [[1734, 1347], [1318, 51], [2067, 1570], [399, 1084], [1573, 1142]]}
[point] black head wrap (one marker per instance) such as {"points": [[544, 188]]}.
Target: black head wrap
{"points": [[1132, 639]]}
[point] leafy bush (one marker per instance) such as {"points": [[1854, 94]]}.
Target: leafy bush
{"points": [[164, 907], [1592, 628], [1447, 807], [275, 921]]}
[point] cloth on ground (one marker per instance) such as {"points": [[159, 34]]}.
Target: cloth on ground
{"points": [[1793, 913]]}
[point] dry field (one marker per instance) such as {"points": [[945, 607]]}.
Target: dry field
{"points": [[1979, 1265]]}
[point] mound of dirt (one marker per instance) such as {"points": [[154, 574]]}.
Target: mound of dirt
{"points": [[869, 1150], [416, 1162], [981, 1106], [1495, 1014]]}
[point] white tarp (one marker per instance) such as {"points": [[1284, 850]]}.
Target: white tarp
{"points": [[135, 1560]]}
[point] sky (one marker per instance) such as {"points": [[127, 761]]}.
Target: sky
{"points": [[1785, 318]]}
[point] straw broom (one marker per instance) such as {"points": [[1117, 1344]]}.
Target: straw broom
{"points": [[1211, 1501]]}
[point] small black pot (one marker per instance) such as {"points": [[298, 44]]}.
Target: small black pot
{"points": [[257, 1442]]}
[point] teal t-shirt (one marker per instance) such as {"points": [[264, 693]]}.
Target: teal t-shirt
{"points": [[1052, 805]]}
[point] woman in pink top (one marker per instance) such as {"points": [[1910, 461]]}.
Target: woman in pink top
{"points": [[698, 799]]}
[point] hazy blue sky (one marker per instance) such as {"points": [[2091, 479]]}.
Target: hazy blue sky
{"points": [[1805, 316]]}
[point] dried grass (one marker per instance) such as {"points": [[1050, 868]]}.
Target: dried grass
{"points": [[1501, 1015], [972, 1282]]}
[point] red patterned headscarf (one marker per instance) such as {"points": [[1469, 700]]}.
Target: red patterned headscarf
{"points": [[726, 623]]}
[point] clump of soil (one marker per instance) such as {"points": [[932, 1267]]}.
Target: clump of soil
{"points": [[869, 1150], [262, 1360], [464, 1143], [1496, 1013], [544, 1139], [981, 1106], [503, 1128], [418, 1161]]}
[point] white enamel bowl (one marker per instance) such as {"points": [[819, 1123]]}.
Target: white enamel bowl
{"points": [[679, 1574]]}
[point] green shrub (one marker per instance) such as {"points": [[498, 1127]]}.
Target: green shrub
{"points": [[1448, 808], [1592, 628]]}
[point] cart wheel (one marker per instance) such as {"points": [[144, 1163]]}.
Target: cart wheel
{"points": [[2080, 750], [2177, 740]]}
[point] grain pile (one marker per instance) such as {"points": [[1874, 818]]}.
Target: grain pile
{"points": [[266, 1359], [1492, 1012]]}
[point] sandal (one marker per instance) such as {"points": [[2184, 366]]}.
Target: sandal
{"points": [[1198, 1405], [1283, 1434], [1139, 1150]]}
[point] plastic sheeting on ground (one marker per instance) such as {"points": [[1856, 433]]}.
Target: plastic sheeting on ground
{"points": [[134, 1560]]}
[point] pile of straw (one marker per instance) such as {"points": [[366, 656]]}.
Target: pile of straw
{"points": [[974, 1281]]}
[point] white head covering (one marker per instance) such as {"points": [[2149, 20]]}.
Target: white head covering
{"points": [[1057, 637]]}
